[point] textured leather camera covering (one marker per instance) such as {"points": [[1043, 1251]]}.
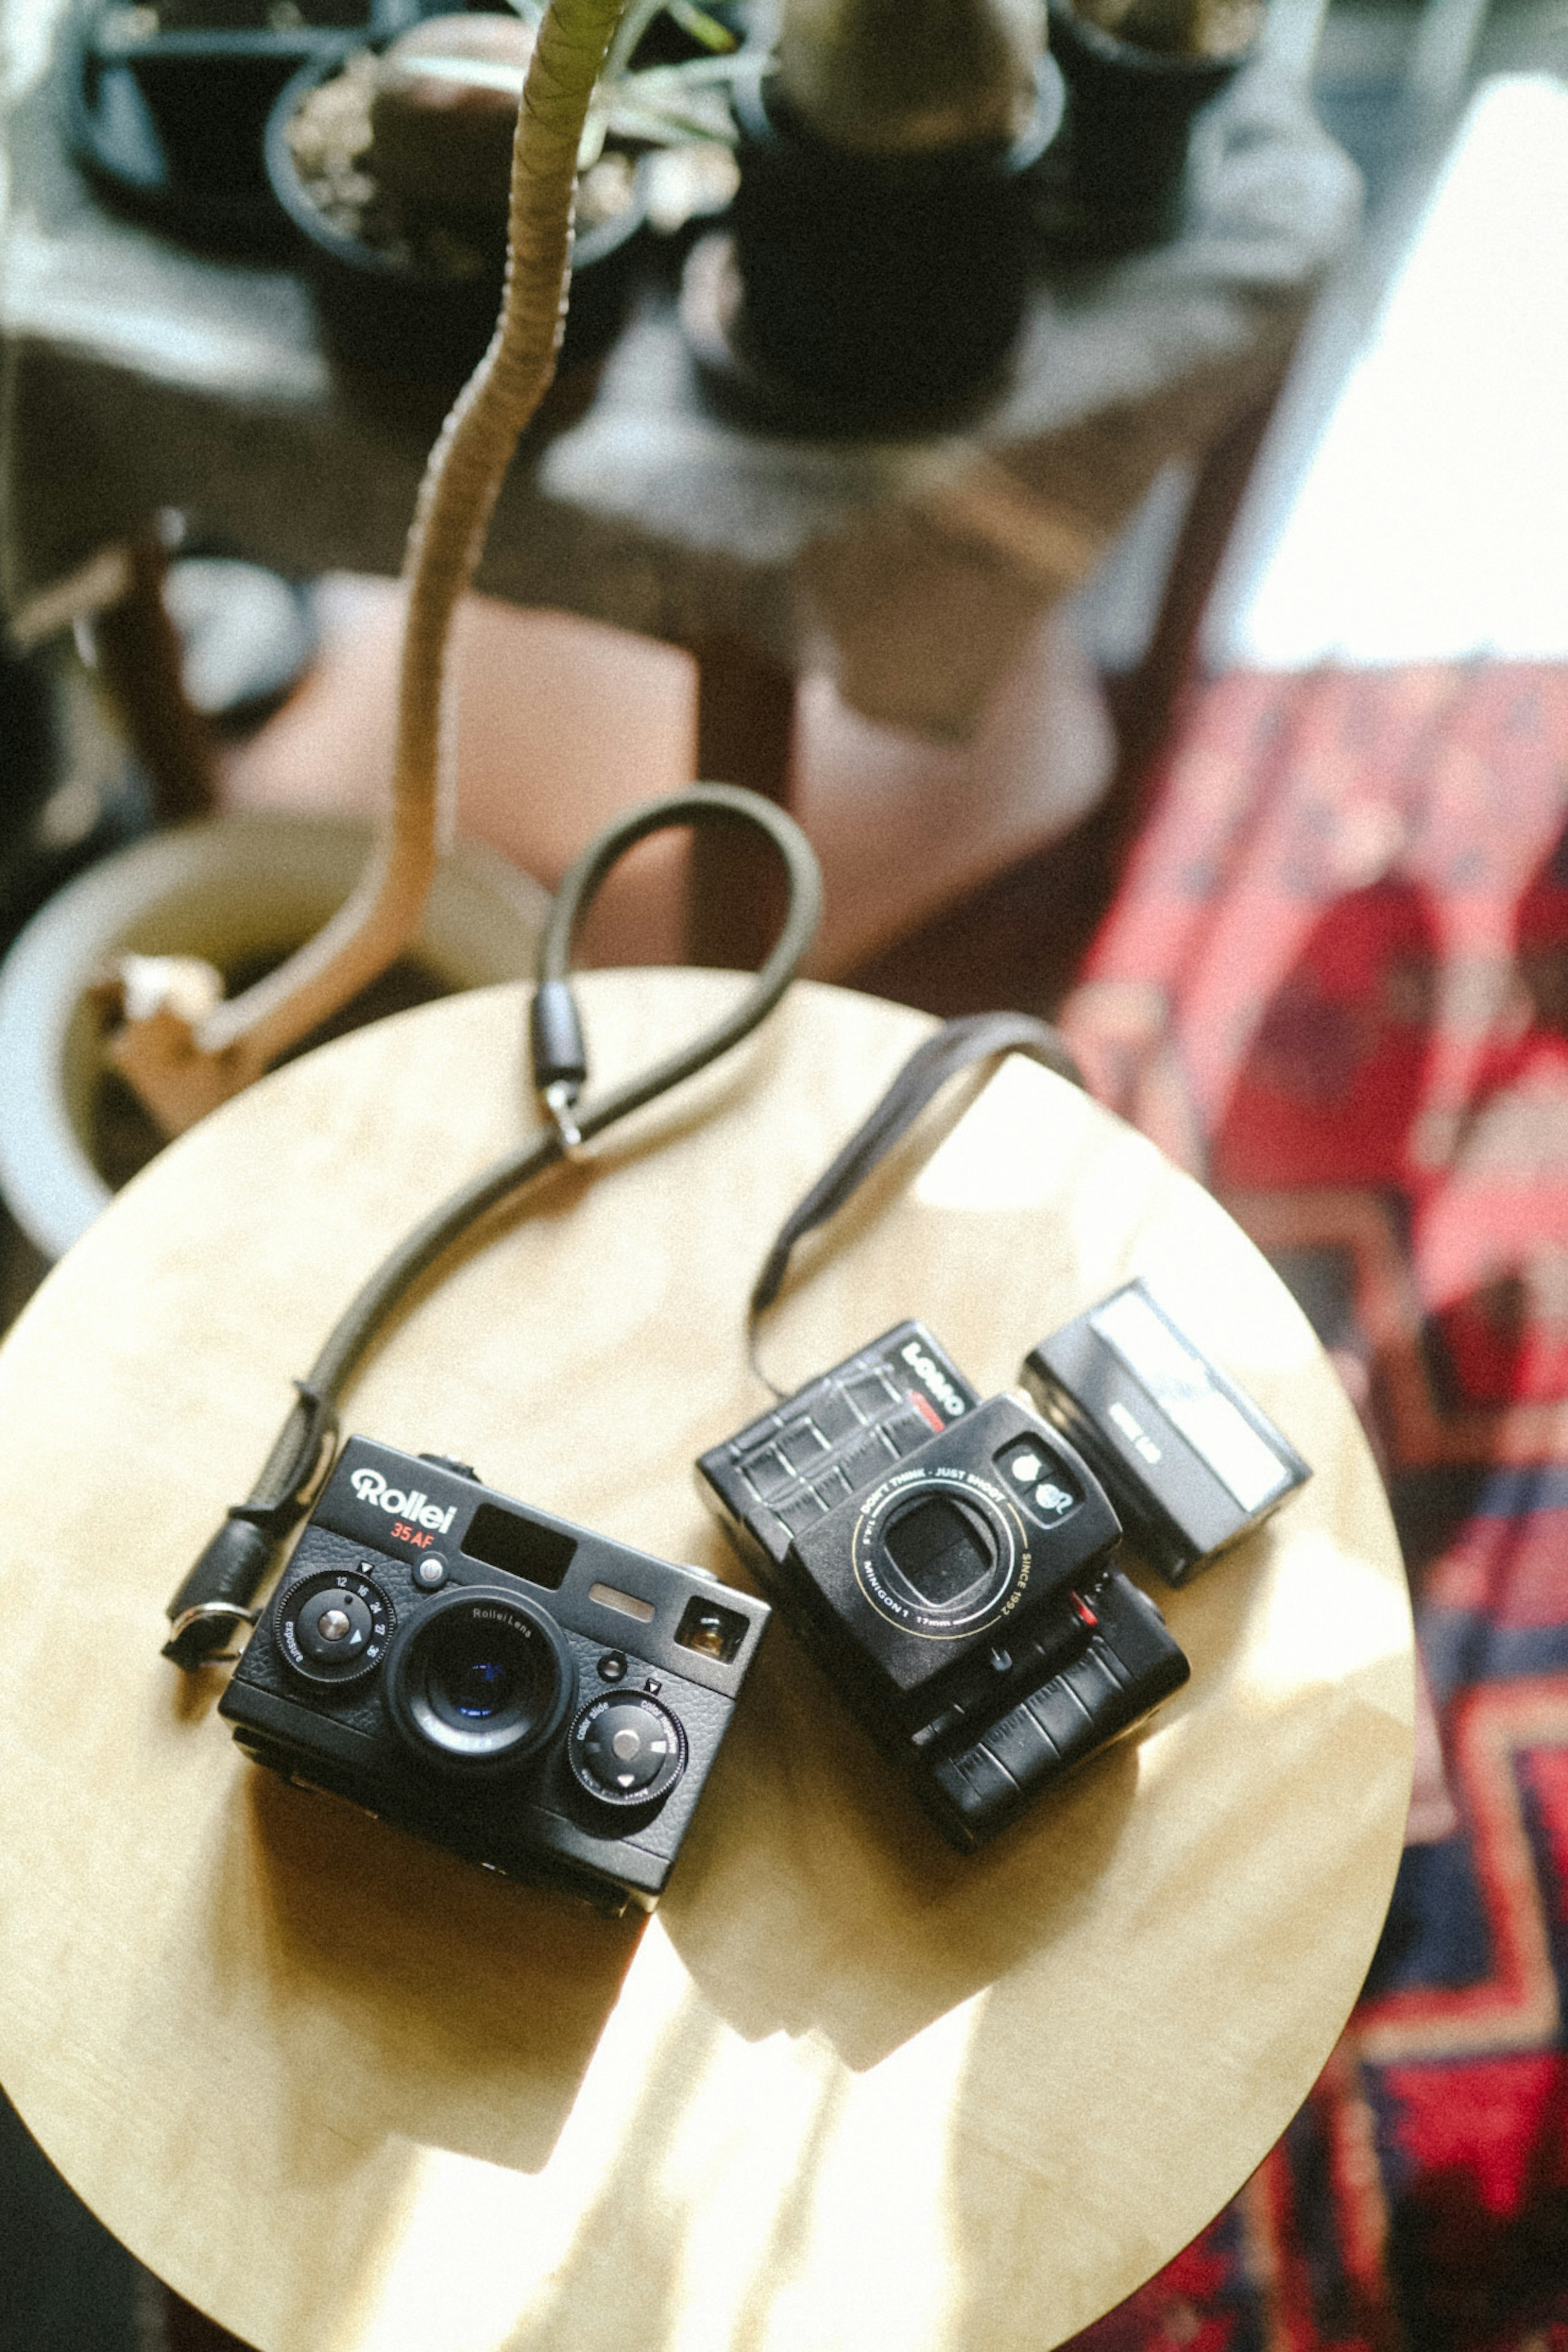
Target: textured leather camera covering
{"points": [[382, 1516]]}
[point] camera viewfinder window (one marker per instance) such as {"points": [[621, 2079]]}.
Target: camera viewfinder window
{"points": [[938, 1550], [524, 1548], [711, 1632]]}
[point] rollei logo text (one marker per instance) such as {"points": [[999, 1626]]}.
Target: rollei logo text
{"points": [[415, 1507], [946, 1395]]}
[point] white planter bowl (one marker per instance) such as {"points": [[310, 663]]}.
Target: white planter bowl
{"points": [[225, 888]]}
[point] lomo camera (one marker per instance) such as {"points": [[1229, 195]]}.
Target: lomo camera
{"points": [[527, 1694], [948, 1562]]}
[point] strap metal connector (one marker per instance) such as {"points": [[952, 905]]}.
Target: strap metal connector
{"points": [[207, 1612], [560, 1100]]}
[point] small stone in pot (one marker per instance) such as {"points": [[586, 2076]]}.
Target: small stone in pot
{"points": [[445, 111]]}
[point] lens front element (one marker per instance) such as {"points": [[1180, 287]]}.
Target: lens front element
{"points": [[941, 1550], [481, 1681]]}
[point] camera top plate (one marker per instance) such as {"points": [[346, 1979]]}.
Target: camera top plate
{"points": [[374, 1499], [832, 1439]]}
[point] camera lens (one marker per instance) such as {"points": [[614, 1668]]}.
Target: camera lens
{"points": [[466, 1689], [481, 1681], [943, 1556]]}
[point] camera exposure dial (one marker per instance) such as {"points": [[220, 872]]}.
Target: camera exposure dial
{"points": [[626, 1749], [334, 1628]]}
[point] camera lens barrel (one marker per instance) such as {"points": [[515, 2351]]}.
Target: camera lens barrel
{"points": [[942, 1556], [480, 1681]]}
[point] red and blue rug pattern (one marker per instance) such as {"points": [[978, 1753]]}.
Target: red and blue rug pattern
{"points": [[1334, 985]]}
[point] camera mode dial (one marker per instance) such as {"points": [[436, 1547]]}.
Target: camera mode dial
{"points": [[626, 1749], [335, 1628]]}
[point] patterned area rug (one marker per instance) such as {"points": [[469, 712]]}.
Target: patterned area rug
{"points": [[1335, 985]]}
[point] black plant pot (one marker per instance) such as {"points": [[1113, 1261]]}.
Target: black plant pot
{"points": [[167, 107], [885, 289], [1117, 179], [383, 313]]}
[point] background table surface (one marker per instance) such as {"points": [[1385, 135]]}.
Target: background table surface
{"points": [[140, 375], [846, 2087]]}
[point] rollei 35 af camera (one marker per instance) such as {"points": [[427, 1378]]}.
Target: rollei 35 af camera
{"points": [[528, 1694], [947, 1560]]}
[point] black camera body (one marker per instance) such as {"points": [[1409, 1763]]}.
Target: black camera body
{"points": [[947, 1560], [525, 1693]]}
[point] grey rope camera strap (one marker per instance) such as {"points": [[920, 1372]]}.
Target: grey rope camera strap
{"points": [[227, 1574], [974, 1037]]}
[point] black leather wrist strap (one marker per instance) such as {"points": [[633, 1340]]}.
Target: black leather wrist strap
{"points": [[228, 1574], [976, 1037]]}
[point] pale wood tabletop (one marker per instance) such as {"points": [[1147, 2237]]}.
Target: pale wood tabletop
{"points": [[847, 2092]]}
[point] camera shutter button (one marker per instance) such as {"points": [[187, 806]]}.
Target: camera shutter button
{"points": [[449, 1462]]}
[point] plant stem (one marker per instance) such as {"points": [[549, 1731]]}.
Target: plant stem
{"points": [[461, 483]]}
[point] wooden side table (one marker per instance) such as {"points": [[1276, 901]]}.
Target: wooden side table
{"points": [[138, 376], [846, 2089]]}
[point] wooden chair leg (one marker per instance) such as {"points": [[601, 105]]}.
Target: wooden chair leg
{"points": [[138, 653], [1020, 938], [746, 731]]}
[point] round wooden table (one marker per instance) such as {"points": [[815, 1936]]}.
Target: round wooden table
{"points": [[847, 2092]]}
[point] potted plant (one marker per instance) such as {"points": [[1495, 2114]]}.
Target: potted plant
{"points": [[192, 908], [167, 100], [184, 1044], [393, 163], [881, 249], [1138, 73]]}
